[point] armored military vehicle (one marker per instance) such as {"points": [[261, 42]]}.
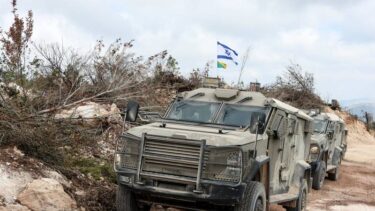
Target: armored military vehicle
{"points": [[328, 147], [216, 149]]}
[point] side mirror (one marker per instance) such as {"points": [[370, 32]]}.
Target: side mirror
{"points": [[132, 111], [330, 134], [257, 120], [275, 134]]}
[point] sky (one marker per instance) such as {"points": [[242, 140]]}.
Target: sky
{"points": [[334, 40]]}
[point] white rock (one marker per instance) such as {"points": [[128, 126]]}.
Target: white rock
{"points": [[91, 112], [12, 183], [56, 176], [46, 194], [18, 152]]}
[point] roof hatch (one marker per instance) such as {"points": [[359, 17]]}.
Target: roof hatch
{"points": [[226, 94]]}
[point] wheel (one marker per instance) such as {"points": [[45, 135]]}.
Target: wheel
{"points": [[302, 199], [335, 174], [125, 200], [319, 176], [254, 198]]}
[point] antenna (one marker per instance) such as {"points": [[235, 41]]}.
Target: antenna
{"points": [[244, 60]]}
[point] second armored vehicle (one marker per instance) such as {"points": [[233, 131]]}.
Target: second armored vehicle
{"points": [[328, 147]]}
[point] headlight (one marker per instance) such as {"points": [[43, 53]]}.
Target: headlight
{"points": [[223, 164], [314, 152], [127, 153]]}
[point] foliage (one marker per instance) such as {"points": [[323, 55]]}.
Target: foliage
{"points": [[94, 168], [197, 75], [14, 44], [295, 87]]}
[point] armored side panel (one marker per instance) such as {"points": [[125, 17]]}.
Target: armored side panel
{"points": [[288, 145]]}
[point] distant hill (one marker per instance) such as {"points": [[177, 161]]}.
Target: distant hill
{"points": [[359, 106]]}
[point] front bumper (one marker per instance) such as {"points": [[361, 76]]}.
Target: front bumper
{"points": [[156, 191], [170, 156]]}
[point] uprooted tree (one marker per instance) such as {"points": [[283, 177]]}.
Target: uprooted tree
{"points": [[295, 87]]}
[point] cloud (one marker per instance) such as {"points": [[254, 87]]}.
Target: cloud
{"points": [[332, 39]]}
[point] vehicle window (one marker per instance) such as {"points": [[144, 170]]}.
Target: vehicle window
{"points": [[276, 122], [194, 111], [320, 125], [242, 116]]}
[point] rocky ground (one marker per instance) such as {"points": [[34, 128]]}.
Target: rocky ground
{"points": [[27, 184]]}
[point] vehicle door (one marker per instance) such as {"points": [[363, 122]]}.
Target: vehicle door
{"points": [[278, 132], [340, 134], [289, 150], [331, 141]]}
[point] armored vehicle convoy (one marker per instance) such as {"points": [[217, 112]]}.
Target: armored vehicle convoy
{"points": [[216, 149], [328, 147]]}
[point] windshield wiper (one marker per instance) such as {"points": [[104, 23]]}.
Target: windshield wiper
{"points": [[180, 105]]}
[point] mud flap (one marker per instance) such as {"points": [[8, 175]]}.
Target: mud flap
{"points": [[302, 171], [314, 170], [254, 169], [260, 165]]}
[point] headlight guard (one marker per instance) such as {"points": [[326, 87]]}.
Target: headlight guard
{"points": [[223, 164], [314, 152], [127, 152]]}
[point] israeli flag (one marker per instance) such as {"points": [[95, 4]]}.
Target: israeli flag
{"points": [[226, 53]]}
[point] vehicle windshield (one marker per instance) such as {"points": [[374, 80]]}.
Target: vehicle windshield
{"points": [[230, 115], [242, 116], [194, 111], [320, 125]]}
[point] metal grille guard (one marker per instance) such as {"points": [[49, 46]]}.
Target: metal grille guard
{"points": [[175, 140]]}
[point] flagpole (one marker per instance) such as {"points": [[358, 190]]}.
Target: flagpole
{"points": [[244, 60]]}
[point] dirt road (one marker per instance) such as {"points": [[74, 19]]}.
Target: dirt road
{"points": [[355, 189]]}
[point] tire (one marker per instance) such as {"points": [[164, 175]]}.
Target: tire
{"points": [[319, 176], [335, 174], [125, 200], [254, 198], [302, 199]]}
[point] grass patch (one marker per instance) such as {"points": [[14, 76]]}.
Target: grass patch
{"points": [[95, 168]]}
